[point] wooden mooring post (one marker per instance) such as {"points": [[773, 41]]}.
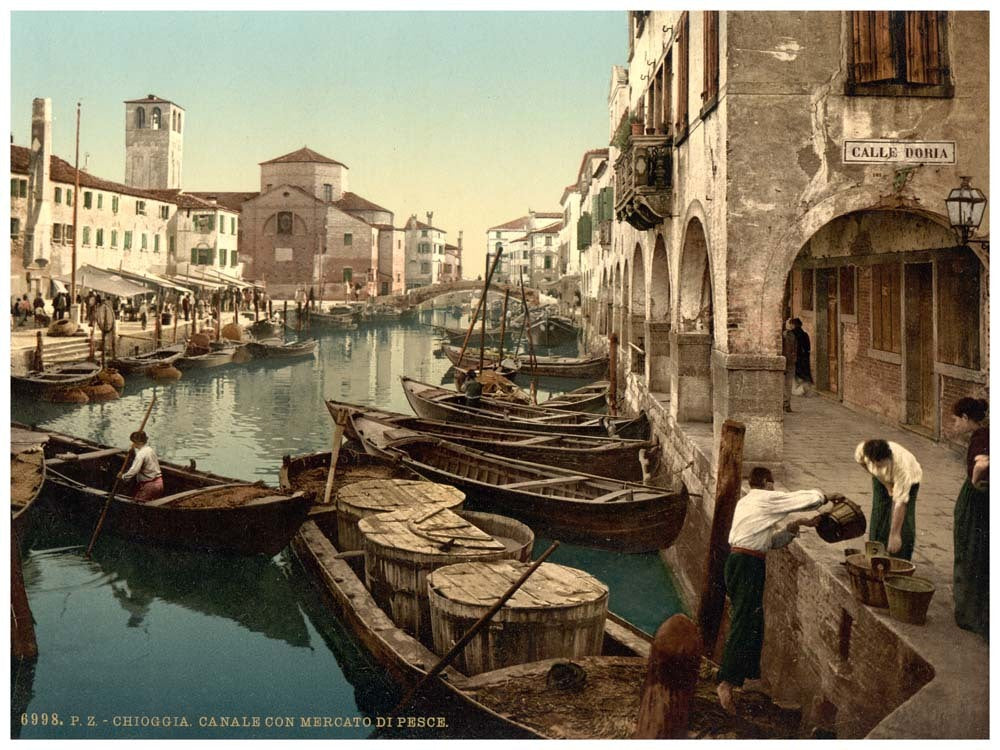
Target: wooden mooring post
{"points": [[22, 626], [671, 677], [727, 493], [39, 359]]}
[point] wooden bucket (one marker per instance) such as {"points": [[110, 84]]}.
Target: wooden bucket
{"points": [[403, 547], [845, 521], [867, 575], [362, 499], [909, 597], [559, 612]]}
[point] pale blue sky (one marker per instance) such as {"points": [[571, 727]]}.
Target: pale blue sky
{"points": [[475, 116]]}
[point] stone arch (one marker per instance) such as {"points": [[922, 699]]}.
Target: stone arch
{"points": [[140, 118], [695, 305], [693, 398], [638, 301], [626, 307], [604, 303], [616, 297], [657, 341], [155, 119], [659, 282]]}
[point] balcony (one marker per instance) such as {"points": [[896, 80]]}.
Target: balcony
{"points": [[644, 181]]}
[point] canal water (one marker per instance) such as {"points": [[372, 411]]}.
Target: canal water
{"points": [[139, 641]]}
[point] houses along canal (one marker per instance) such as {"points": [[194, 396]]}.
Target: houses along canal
{"points": [[139, 633]]}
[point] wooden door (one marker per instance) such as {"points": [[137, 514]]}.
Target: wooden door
{"points": [[921, 395], [827, 343]]}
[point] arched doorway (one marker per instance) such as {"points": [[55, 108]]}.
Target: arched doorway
{"points": [[896, 314], [637, 314], [694, 334], [658, 320], [626, 304], [614, 303]]}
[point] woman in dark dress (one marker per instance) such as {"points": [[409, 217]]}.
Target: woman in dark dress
{"points": [[972, 521]]}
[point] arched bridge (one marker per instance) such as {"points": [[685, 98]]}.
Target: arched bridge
{"points": [[422, 294]]}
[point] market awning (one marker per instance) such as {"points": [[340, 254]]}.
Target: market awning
{"points": [[105, 282], [156, 280], [193, 281]]}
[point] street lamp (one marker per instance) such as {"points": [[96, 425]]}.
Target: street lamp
{"points": [[966, 205]]}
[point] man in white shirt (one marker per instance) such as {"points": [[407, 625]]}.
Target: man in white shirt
{"points": [[758, 526], [896, 479], [145, 469]]}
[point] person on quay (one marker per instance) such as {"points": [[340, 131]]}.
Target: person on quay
{"points": [[803, 366], [473, 388], [896, 478], [758, 526], [186, 306], [972, 520], [145, 470], [789, 348]]}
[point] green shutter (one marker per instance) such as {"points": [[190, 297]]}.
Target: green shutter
{"points": [[584, 232], [194, 255]]}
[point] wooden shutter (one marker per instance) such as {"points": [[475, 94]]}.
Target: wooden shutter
{"points": [[710, 55], [847, 277], [923, 56], [667, 73], [886, 307], [872, 44], [680, 126]]}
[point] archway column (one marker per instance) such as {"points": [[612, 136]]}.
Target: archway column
{"points": [[748, 388], [657, 343], [691, 379]]}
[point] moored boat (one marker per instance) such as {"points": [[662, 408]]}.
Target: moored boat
{"points": [[431, 402], [615, 458], [553, 330], [44, 383], [568, 505], [584, 368], [27, 476], [593, 397], [141, 363], [200, 510], [216, 358], [275, 348]]}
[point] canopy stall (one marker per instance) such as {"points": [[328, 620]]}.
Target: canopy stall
{"points": [[155, 280], [104, 282]]}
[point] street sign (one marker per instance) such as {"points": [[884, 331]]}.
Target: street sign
{"points": [[883, 151], [104, 316]]}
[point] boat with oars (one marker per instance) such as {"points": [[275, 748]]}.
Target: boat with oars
{"points": [[431, 402], [200, 510], [276, 348], [569, 505], [143, 363], [616, 458], [549, 366]]}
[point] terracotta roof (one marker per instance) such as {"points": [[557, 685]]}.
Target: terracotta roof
{"points": [[152, 99], [62, 171], [451, 247], [421, 225], [548, 214], [514, 225], [550, 229], [598, 152], [354, 202], [231, 201], [304, 154]]}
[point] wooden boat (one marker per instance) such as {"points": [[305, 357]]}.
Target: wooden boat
{"points": [[44, 383], [431, 402], [568, 505], [607, 457], [201, 511], [584, 368], [275, 348], [141, 363], [553, 330], [593, 397], [215, 358], [345, 320], [521, 701], [27, 476]]}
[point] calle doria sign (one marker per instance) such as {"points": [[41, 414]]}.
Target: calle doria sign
{"points": [[899, 152]]}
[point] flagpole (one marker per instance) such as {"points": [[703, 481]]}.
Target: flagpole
{"points": [[73, 306]]}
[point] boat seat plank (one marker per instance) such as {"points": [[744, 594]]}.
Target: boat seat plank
{"points": [[539, 440], [614, 495], [197, 491], [542, 482], [69, 457]]}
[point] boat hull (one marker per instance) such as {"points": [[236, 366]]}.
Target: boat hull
{"points": [[144, 362], [588, 368]]}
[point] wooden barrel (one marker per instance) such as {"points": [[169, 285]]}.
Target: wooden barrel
{"points": [[404, 546], [559, 612], [361, 499], [845, 521], [516, 536]]}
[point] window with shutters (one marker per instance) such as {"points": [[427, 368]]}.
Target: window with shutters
{"points": [[710, 57], [57, 233], [958, 311], [681, 123], [848, 275], [58, 197], [114, 238], [114, 204], [99, 238], [88, 199], [899, 53], [233, 257], [15, 227], [127, 241], [886, 307], [661, 96], [584, 231], [86, 235]]}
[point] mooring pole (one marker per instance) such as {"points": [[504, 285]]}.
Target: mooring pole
{"points": [[727, 493], [613, 374], [671, 677]]}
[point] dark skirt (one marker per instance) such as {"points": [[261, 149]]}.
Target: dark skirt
{"points": [[881, 519], [972, 560], [745, 585]]}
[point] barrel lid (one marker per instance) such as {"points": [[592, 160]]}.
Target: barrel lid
{"points": [[483, 583], [379, 495], [428, 531]]}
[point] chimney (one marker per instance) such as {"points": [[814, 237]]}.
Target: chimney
{"points": [[459, 239], [430, 218]]}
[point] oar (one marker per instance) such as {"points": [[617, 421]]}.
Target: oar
{"points": [[114, 486], [471, 633], [340, 422]]}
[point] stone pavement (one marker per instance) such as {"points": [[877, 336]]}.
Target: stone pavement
{"points": [[820, 438]]}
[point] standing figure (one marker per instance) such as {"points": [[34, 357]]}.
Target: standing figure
{"points": [[972, 520], [143, 314], [790, 349], [59, 306], [312, 299], [472, 388], [803, 366], [145, 470], [895, 482], [758, 526], [186, 306]]}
